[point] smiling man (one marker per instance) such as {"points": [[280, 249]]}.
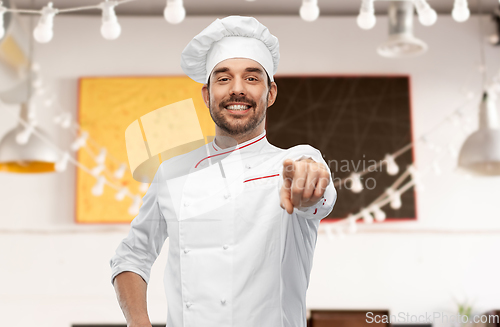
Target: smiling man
{"points": [[241, 215]]}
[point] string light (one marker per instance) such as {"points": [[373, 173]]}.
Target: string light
{"points": [[98, 188], [378, 213], [121, 194], [101, 158], [136, 205], [395, 198], [80, 141], [309, 11], [174, 12], [97, 170], [43, 32], [366, 18], [416, 177], [426, 15], [367, 216], [391, 165], [110, 28], [24, 136], [144, 187], [356, 185], [120, 171], [460, 12], [62, 164]]}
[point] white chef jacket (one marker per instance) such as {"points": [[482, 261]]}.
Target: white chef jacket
{"points": [[235, 257]]}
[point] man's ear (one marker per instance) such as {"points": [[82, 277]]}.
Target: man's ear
{"points": [[205, 95], [273, 92]]}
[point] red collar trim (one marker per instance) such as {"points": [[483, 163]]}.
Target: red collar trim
{"points": [[218, 154]]}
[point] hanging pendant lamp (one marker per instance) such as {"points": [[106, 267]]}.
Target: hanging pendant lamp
{"points": [[480, 153], [401, 42], [28, 156], [21, 151]]}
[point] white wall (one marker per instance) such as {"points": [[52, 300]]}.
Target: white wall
{"points": [[54, 273]]}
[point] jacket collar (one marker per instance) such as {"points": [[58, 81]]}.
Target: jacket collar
{"points": [[252, 146]]}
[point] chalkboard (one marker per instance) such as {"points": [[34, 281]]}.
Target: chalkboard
{"points": [[354, 121]]}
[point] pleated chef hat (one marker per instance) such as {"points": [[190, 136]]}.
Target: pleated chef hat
{"points": [[230, 37]]}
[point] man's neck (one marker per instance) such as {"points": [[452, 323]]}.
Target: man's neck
{"points": [[223, 140]]}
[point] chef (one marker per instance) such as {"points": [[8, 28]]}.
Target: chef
{"points": [[241, 215]]}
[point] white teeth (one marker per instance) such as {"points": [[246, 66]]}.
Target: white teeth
{"points": [[237, 107]]}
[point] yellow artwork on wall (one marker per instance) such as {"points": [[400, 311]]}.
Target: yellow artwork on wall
{"points": [[107, 107]]}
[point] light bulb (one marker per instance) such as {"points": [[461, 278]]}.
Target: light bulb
{"points": [[62, 164], [121, 194], [356, 185], [174, 12], [378, 213], [66, 121], [367, 216], [110, 28], [415, 175], [136, 205], [24, 136], [366, 18], [98, 188], [460, 12], [101, 157], [426, 15], [309, 11], [3, 10], [97, 170], [143, 188], [80, 141], [391, 165], [120, 171], [395, 198], [43, 32]]}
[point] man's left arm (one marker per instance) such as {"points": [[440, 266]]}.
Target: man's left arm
{"points": [[306, 184]]}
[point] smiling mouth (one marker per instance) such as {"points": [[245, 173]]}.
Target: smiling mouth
{"points": [[238, 107]]}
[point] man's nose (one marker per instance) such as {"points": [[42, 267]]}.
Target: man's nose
{"points": [[237, 87]]}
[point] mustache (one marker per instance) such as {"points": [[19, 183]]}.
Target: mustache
{"points": [[237, 99]]}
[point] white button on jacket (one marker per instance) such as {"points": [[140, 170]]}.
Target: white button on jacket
{"points": [[249, 261]]}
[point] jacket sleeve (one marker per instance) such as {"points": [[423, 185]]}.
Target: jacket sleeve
{"points": [[325, 205], [148, 231]]}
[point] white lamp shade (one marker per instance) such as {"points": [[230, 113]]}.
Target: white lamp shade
{"points": [[480, 153]]}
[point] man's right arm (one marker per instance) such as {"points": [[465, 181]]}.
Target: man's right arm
{"points": [[134, 257], [131, 293]]}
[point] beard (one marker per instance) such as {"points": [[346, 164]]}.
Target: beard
{"points": [[238, 125]]}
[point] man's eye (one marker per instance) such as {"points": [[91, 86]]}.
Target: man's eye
{"points": [[222, 79], [252, 78]]}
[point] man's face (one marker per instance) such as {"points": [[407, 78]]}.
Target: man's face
{"points": [[238, 95]]}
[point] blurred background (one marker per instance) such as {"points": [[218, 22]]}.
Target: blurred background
{"points": [[74, 74]]}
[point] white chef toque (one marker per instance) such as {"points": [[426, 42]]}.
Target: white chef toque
{"points": [[230, 37]]}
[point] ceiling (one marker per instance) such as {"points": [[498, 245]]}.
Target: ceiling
{"points": [[243, 7]]}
